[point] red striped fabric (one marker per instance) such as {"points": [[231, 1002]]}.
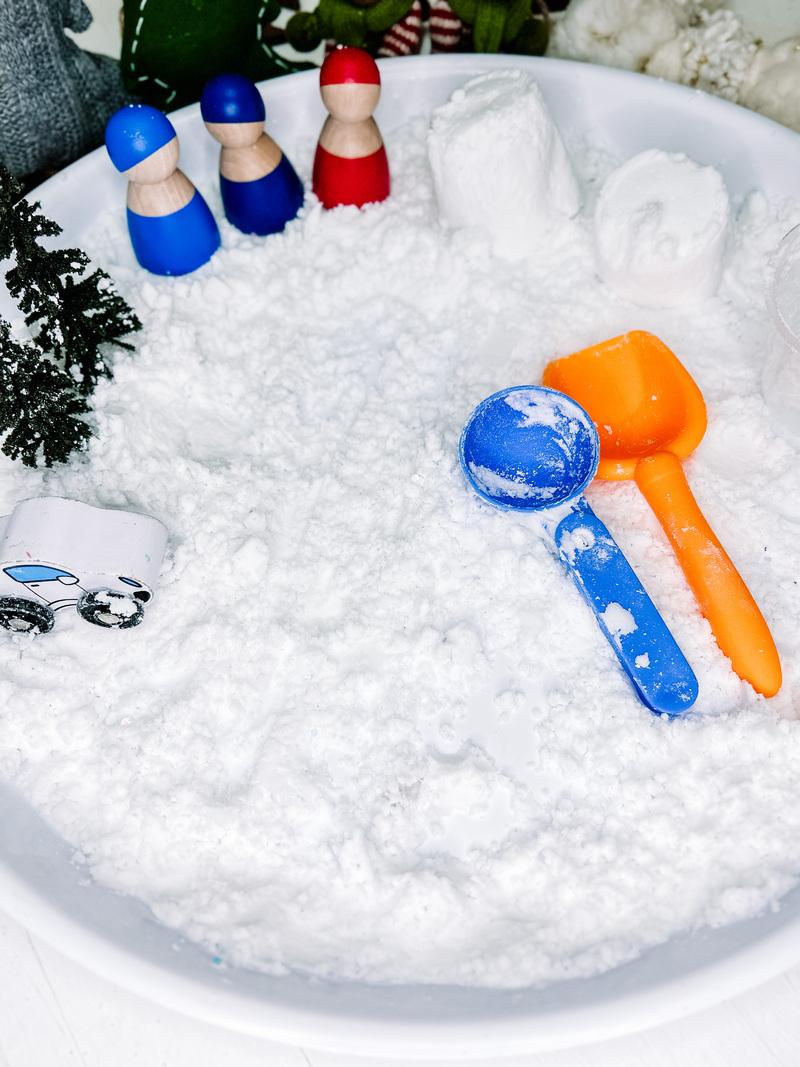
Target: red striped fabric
{"points": [[405, 37], [445, 27]]}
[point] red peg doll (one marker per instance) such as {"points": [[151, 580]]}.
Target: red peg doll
{"points": [[350, 166]]}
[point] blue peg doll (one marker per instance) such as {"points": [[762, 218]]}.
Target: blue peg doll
{"points": [[171, 227]]}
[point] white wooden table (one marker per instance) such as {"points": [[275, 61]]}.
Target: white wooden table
{"points": [[53, 1013]]}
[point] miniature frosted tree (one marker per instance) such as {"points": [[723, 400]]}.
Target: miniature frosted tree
{"points": [[71, 315], [41, 413]]}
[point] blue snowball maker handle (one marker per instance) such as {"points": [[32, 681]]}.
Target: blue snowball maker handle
{"points": [[627, 616]]}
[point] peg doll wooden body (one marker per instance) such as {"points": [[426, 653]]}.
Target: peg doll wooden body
{"points": [[350, 165], [260, 188], [171, 227]]}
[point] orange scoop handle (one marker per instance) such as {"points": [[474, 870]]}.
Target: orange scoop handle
{"points": [[738, 625]]}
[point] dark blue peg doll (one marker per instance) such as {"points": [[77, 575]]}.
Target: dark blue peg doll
{"points": [[261, 191]]}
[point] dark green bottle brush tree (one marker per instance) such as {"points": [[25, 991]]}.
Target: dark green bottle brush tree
{"points": [[45, 381]]}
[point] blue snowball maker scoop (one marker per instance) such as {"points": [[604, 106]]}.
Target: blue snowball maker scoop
{"points": [[531, 449]]}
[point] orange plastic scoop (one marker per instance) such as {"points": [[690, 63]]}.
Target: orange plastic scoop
{"points": [[650, 415]]}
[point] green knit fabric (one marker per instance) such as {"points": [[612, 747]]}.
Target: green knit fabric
{"points": [[487, 29], [345, 23], [503, 25]]}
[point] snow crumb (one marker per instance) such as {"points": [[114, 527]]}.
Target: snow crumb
{"points": [[618, 620], [576, 541]]}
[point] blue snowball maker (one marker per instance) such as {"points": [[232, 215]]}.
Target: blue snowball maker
{"points": [[263, 206], [529, 448], [231, 98], [175, 244], [135, 132]]}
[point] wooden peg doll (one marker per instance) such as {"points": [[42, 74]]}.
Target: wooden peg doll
{"points": [[260, 189], [171, 227], [350, 166]]}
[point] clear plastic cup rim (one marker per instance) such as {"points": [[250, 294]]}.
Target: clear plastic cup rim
{"points": [[790, 242]]}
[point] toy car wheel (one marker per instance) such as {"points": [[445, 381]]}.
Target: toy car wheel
{"points": [[25, 616], [104, 607]]}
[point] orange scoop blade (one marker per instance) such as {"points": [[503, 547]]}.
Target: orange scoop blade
{"points": [[640, 396], [650, 415]]}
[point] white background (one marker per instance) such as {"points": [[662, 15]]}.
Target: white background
{"points": [[54, 1013]]}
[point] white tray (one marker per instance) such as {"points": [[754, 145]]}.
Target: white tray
{"points": [[118, 937]]}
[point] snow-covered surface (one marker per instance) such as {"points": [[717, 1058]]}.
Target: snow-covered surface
{"points": [[368, 728]]}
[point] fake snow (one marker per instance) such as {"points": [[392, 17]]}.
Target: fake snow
{"points": [[495, 485], [574, 542], [118, 604], [542, 409], [368, 728], [618, 621]]}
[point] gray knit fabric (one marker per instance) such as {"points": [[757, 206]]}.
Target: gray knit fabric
{"points": [[54, 97]]}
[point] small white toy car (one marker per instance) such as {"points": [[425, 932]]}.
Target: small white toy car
{"points": [[57, 553]]}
